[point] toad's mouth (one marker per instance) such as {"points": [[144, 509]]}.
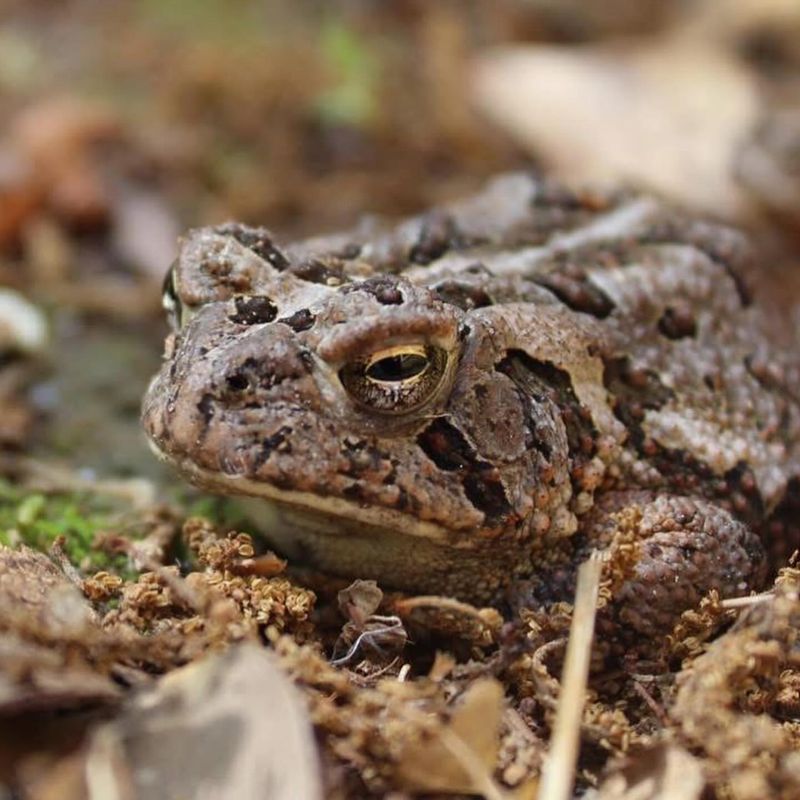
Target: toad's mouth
{"points": [[339, 537], [275, 509]]}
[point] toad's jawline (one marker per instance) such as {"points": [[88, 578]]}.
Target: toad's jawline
{"points": [[312, 507]]}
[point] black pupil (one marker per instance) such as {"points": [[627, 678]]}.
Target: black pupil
{"points": [[397, 368]]}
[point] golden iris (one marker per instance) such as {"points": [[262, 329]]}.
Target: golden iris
{"points": [[395, 379]]}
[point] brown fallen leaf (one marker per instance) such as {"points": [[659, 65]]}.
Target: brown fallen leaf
{"points": [[463, 754], [20, 196], [359, 601], [228, 726], [35, 594], [449, 617], [367, 635], [667, 116], [662, 772], [48, 631], [57, 137]]}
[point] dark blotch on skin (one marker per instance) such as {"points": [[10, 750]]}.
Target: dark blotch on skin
{"points": [[277, 441], [384, 289], [677, 322], [353, 492], [572, 287], [360, 457], [254, 373], [633, 391], [301, 320], [743, 489], [306, 359], [541, 380], [259, 240], [253, 310], [237, 382], [465, 296], [446, 446], [485, 491], [206, 407], [436, 236], [769, 373], [314, 270]]}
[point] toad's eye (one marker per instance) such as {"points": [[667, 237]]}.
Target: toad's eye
{"points": [[404, 366], [395, 379], [170, 300]]}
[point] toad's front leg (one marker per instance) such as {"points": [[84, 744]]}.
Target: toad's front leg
{"points": [[687, 546], [666, 552]]}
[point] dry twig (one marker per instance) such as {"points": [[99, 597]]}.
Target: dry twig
{"points": [[559, 767]]}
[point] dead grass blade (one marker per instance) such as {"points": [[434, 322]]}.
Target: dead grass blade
{"points": [[559, 768]]}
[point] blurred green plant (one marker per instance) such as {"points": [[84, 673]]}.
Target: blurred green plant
{"points": [[236, 21], [352, 99], [22, 64], [225, 512]]}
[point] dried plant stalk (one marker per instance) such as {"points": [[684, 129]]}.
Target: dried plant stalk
{"points": [[559, 767]]}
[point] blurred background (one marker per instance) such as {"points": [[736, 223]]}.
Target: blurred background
{"points": [[124, 123]]}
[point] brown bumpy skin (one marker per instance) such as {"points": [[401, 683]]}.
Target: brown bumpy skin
{"points": [[687, 546]]}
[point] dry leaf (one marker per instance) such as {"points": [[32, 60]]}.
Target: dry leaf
{"points": [[57, 135], [230, 726], [667, 117], [359, 601], [47, 630], [461, 758], [664, 772]]}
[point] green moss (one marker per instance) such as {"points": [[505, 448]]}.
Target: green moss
{"points": [[38, 519]]}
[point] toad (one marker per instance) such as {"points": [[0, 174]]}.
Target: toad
{"points": [[475, 398]]}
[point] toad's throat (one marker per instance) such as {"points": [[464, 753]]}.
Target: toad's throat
{"points": [[340, 537]]}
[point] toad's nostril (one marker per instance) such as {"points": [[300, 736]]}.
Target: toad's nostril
{"points": [[249, 378]]}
